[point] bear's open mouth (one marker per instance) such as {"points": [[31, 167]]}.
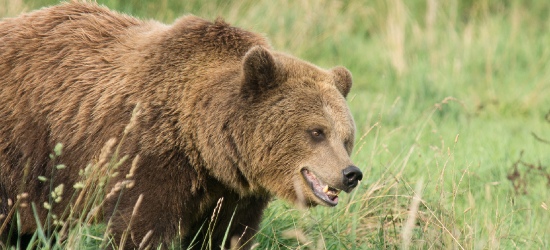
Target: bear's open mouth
{"points": [[323, 191]]}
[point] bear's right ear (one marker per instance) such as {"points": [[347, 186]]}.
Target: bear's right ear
{"points": [[259, 70], [342, 79]]}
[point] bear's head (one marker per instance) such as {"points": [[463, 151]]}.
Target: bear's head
{"points": [[301, 132]]}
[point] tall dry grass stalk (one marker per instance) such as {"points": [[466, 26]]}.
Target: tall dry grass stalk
{"points": [[431, 19], [395, 35], [10, 8], [407, 232], [128, 231]]}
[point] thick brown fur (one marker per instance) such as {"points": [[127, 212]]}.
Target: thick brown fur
{"points": [[221, 115]]}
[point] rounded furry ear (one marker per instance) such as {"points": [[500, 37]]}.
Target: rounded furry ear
{"points": [[342, 79], [259, 70]]}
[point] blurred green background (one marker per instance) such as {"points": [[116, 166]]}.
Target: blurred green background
{"points": [[452, 104]]}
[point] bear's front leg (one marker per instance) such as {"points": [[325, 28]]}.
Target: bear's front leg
{"points": [[156, 209], [246, 222], [139, 220]]}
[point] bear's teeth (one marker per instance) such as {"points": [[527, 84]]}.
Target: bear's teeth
{"points": [[331, 191]]}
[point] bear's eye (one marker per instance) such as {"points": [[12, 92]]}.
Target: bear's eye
{"points": [[317, 134]]}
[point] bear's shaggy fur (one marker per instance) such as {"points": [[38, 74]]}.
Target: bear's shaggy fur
{"points": [[219, 115]]}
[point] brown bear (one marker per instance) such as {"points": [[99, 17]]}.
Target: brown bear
{"points": [[219, 115]]}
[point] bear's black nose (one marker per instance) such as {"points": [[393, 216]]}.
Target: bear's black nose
{"points": [[352, 175]]}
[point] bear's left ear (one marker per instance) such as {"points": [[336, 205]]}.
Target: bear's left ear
{"points": [[259, 68], [342, 79]]}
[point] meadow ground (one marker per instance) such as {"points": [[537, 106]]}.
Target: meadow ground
{"points": [[452, 105]]}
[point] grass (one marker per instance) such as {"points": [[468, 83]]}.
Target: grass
{"points": [[452, 105]]}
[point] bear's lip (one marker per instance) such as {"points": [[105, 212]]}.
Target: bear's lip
{"points": [[324, 192]]}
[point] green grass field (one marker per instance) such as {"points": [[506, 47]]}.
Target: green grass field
{"points": [[452, 105]]}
